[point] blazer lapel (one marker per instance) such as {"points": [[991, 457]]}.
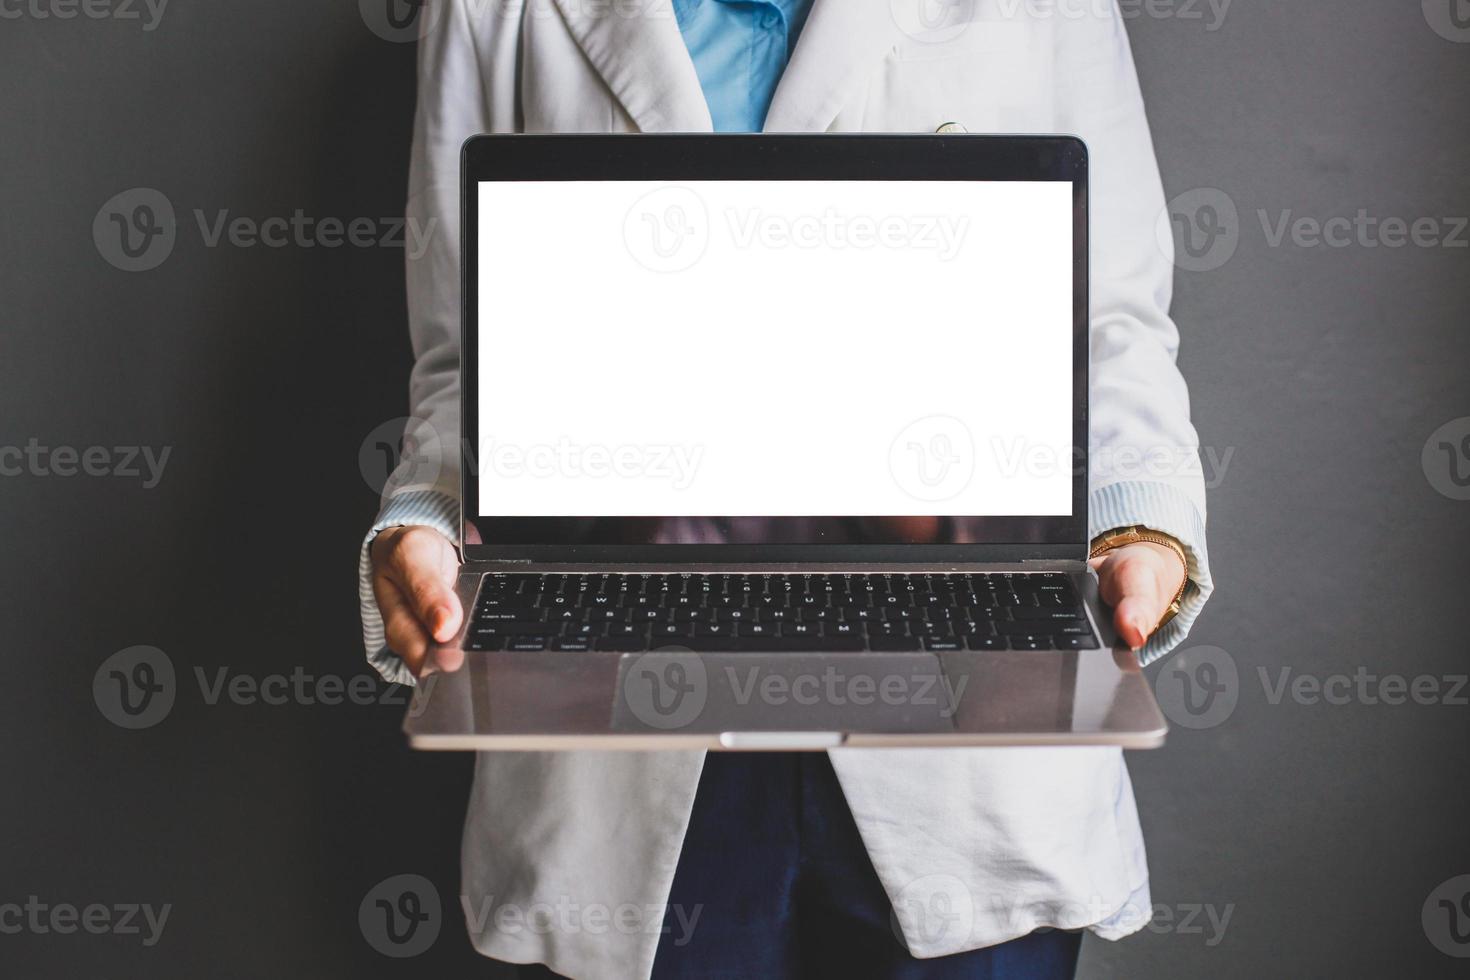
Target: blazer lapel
{"points": [[642, 58], [841, 45]]}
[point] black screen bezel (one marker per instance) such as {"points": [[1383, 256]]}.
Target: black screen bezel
{"points": [[769, 157]]}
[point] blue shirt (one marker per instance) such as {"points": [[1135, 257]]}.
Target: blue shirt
{"points": [[740, 48]]}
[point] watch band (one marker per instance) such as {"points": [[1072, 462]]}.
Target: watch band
{"points": [[1118, 537]]}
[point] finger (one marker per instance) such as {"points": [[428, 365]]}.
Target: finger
{"points": [[445, 658], [422, 564], [1135, 619], [405, 636], [1131, 586]]}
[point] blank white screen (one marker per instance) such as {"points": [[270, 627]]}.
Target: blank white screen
{"points": [[774, 348]]}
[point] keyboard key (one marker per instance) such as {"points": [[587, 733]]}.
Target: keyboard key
{"points": [[622, 643], [509, 616], [511, 629], [1039, 629], [893, 644], [784, 644], [507, 602], [941, 645], [1075, 642], [526, 643], [1044, 613], [987, 643]]}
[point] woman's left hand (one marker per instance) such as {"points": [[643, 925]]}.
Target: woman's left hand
{"points": [[1139, 581]]}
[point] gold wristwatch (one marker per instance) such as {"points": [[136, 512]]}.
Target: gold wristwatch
{"points": [[1133, 534]]}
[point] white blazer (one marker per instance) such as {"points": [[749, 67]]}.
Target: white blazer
{"points": [[568, 857]]}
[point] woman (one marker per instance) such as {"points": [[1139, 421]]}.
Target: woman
{"points": [[957, 863]]}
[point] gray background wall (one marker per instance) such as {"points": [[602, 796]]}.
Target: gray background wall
{"points": [[1320, 373]]}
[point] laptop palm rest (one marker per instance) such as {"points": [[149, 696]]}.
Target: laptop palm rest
{"points": [[673, 690]]}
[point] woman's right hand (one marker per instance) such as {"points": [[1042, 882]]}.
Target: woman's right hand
{"points": [[413, 581]]}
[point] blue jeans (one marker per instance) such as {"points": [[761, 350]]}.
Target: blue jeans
{"points": [[777, 874]]}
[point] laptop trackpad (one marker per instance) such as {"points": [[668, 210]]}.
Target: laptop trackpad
{"points": [[672, 691]]}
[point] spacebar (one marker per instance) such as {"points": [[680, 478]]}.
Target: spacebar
{"points": [[772, 644]]}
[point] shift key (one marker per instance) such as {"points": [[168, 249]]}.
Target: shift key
{"points": [[1032, 613]]}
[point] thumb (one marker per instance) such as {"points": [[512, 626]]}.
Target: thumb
{"points": [[422, 566], [1135, 618], [1131, 586]]}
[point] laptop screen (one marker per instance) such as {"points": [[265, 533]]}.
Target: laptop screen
{"points": [[858, 360]]}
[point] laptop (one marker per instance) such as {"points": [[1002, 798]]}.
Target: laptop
{"points": [[777, 442]]}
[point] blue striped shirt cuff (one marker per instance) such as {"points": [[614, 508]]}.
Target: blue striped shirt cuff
{"points": [[428, 508], [1165, 508]]}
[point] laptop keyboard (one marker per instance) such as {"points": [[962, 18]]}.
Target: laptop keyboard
{"points": [[802, 613]]}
